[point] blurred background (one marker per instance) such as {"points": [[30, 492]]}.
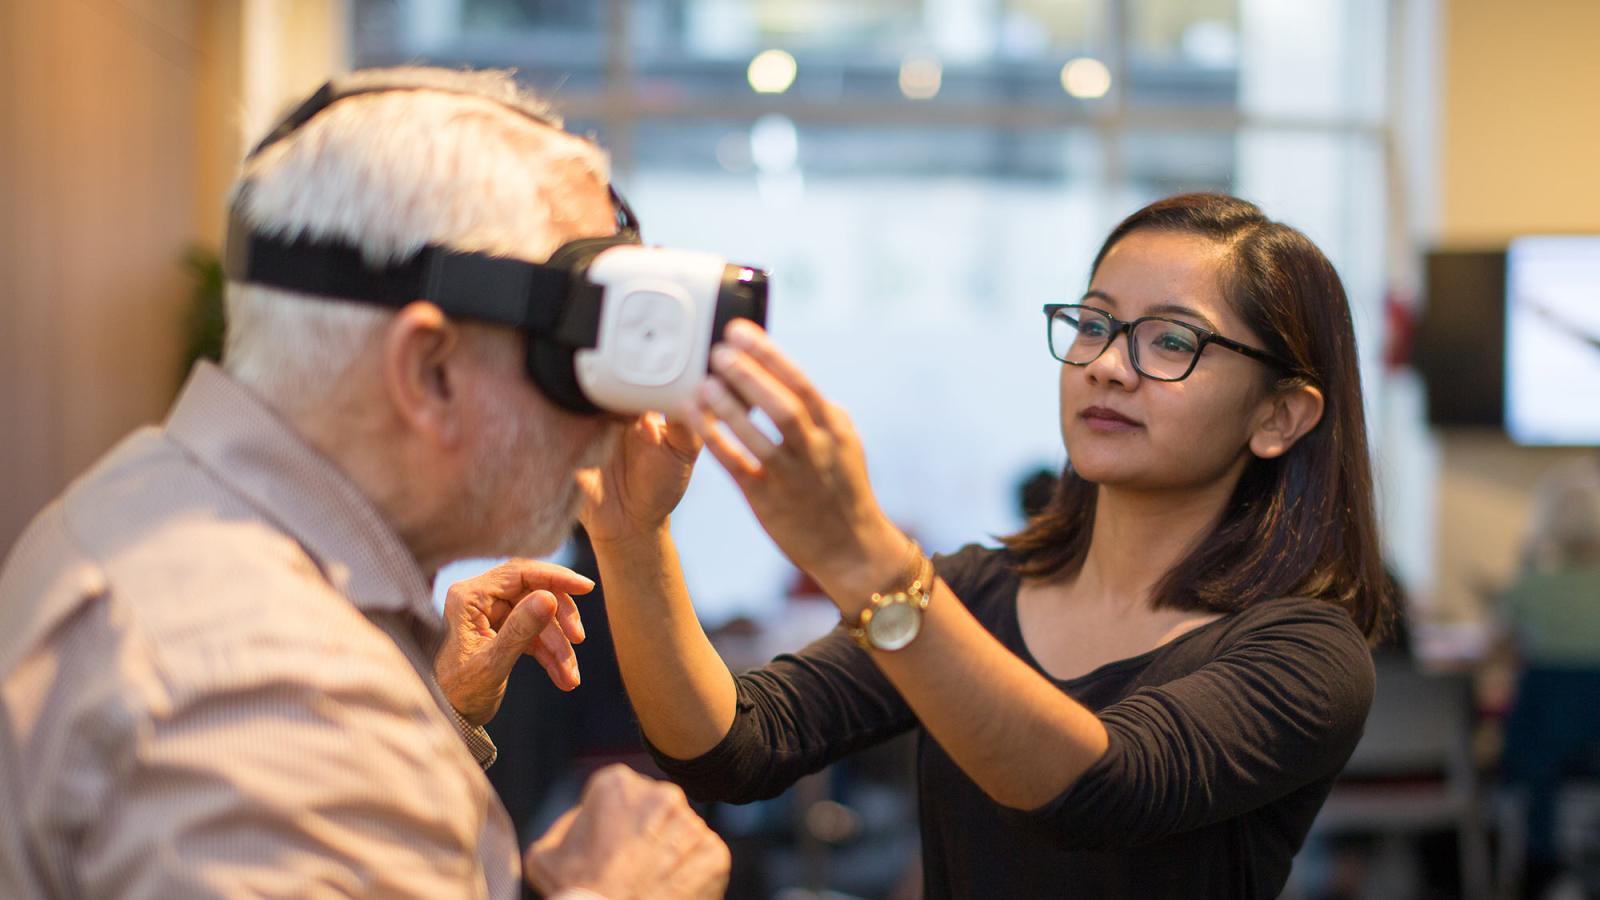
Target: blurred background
{"points": [[921, 175]]}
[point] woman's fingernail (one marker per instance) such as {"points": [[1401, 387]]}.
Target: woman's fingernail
{"points": [[723, 356]]}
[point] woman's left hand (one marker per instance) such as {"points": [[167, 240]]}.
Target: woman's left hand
{"points": [[810, 489]]}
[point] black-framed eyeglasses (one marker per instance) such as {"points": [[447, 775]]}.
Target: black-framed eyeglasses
{"points": [[1160, 348]]}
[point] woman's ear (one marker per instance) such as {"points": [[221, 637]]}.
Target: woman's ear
{"points": [[417, 348], [1283, 418]]}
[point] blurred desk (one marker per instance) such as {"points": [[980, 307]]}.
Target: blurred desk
{"points": [[1452, 647]]}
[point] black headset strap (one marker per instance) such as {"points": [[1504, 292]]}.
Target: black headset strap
{"points": [[477, 286]]}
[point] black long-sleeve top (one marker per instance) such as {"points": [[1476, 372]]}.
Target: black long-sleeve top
{"points": [[1223, 745]]}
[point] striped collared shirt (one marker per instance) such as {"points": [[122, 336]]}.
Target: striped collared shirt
{"points": [[215, 680]]}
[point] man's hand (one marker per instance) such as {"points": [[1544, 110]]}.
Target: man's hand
{"points": [[630, 837], [638, 488], [520, 606]]}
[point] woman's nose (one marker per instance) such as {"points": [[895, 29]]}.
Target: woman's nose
{"points": [[1114, 365]]}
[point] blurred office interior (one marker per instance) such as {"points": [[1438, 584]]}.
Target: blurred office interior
{"points": [[920, 175]]}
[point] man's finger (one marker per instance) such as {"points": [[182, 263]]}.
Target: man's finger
{"points": [[571, 622], [613, 784], [538, 575], [563, 662], [506, 584], [559, 676], [561, 667], [515, 577], [537, 872], [564, 677], [521, 627], [557, 833]]}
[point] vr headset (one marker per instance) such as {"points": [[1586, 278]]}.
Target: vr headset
{"points": [[612, 325]]}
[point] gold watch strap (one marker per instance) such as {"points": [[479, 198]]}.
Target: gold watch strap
{"points": [[910, 570], [920, 591]]}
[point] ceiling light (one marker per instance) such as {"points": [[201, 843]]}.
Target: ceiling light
{"points": [[1086, 78], [772, 71]]}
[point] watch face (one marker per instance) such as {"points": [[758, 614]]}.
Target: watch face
{"points": [[894, 625]]}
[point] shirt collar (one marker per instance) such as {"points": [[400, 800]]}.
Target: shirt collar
{"points": [[246, 445]]}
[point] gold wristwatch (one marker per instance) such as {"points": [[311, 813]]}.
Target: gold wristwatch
{"points": [[893, 620]]}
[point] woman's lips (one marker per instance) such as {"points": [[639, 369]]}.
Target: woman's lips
{"points": [[1101, 418]]}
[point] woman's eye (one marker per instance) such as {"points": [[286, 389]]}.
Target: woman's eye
{"points": [[1092, 329], [1175, 342]]}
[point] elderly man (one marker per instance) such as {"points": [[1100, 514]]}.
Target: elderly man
{"points": [[217, 648]]}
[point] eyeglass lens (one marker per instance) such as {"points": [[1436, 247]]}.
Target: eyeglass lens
{"points": [[1161, 349]]}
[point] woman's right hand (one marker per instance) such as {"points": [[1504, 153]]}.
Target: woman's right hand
{"points": [[633, 493], [679, 686]]}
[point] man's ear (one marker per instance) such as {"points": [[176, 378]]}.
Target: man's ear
{"points": [[417, 348], [1283, 418]]}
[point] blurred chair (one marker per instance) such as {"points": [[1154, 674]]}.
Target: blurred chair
{"points": [[1550, 613], [1551, 776], [1413, 774]]}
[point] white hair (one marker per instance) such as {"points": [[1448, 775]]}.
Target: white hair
{"points": [[459, 159]]}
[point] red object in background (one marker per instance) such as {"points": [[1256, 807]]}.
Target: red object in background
{"points": [[1400, 328], [802, 586]]}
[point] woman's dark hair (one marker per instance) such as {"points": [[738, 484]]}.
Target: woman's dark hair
{"points": [[1300, 525]]}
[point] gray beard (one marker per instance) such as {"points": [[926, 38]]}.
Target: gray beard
{"points": [[544, 499]]}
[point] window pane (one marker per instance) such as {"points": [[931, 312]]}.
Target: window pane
{"points": [[566, 38], [870, 31], [1183, 53], [943, 51], [911, 296], [1053, 28], [774, 143], [528, 15], [1331, 186], [1202, 34], [924, 181], [723, 28], [1313, 58], [1159, 163]]}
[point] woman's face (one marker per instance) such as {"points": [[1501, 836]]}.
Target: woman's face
{"points": [[1123, 429]]}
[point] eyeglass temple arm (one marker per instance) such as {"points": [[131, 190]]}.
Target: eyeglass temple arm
{"points": [[1253, 353]]}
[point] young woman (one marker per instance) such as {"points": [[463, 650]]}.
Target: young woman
{"points": [[1149, 690]]}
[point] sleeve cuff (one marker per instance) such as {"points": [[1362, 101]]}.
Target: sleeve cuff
{"points": [[479, 742]]}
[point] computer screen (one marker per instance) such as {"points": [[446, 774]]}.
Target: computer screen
{"points": [[1552, 340], [1460, 349]]}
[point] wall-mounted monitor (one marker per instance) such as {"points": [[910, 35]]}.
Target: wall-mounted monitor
{"points": [[1460, 337], [1552, 341]]}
